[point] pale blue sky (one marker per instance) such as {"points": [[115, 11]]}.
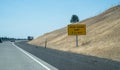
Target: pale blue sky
{"points": [[21, 18]]}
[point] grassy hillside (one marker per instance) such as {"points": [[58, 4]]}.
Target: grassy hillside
{"points": [[102, 39]]}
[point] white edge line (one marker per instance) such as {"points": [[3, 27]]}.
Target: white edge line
{"points": [[31, 57]]}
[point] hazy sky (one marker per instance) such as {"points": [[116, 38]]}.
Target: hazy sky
{"points": [[21, 18]]}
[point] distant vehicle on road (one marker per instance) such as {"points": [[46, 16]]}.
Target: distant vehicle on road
{"points": [[0, 40], [30, 38], [13, 40]]}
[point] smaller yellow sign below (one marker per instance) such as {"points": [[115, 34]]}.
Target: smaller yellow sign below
{"points": [[77, 29]]}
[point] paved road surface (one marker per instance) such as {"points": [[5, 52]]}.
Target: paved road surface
{"points": [[14, 58], [70, 61]]}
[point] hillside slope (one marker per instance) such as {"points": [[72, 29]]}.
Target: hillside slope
{"points": [[102, 39]]}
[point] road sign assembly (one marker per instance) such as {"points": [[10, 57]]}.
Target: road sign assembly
{"points": [[77, 29]]}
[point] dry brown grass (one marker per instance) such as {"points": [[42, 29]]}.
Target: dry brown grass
{"points": [[102, 39]]}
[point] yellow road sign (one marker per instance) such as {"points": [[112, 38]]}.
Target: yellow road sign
{"points": [[77, 29]]}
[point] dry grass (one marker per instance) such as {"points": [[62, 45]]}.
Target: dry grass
{"points": [[102, 39]]}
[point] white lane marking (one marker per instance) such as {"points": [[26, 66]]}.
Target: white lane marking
{"points": [[31, 57]]}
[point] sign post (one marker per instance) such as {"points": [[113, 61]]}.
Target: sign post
{"points": [[77, 29], [76, 40]]}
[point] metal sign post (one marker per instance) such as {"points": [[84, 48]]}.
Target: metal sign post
{"points": [[76, 40]]}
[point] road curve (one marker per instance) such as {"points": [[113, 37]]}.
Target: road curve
{"points": [[14, 58]]}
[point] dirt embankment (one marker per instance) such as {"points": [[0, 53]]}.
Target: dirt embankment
{"points": [[102, 39]]}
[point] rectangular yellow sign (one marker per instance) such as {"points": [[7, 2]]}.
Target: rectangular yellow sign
{"points": [[77, 29]]}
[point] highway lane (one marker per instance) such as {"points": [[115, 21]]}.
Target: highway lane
{"points": [[70, 61], [14, 58]]}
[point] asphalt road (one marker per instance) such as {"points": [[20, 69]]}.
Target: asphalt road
{"points": [[69, 61], [14, 58]]}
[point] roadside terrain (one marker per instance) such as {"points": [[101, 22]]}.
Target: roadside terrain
{"points": [[69, 61], [102, 39]]}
